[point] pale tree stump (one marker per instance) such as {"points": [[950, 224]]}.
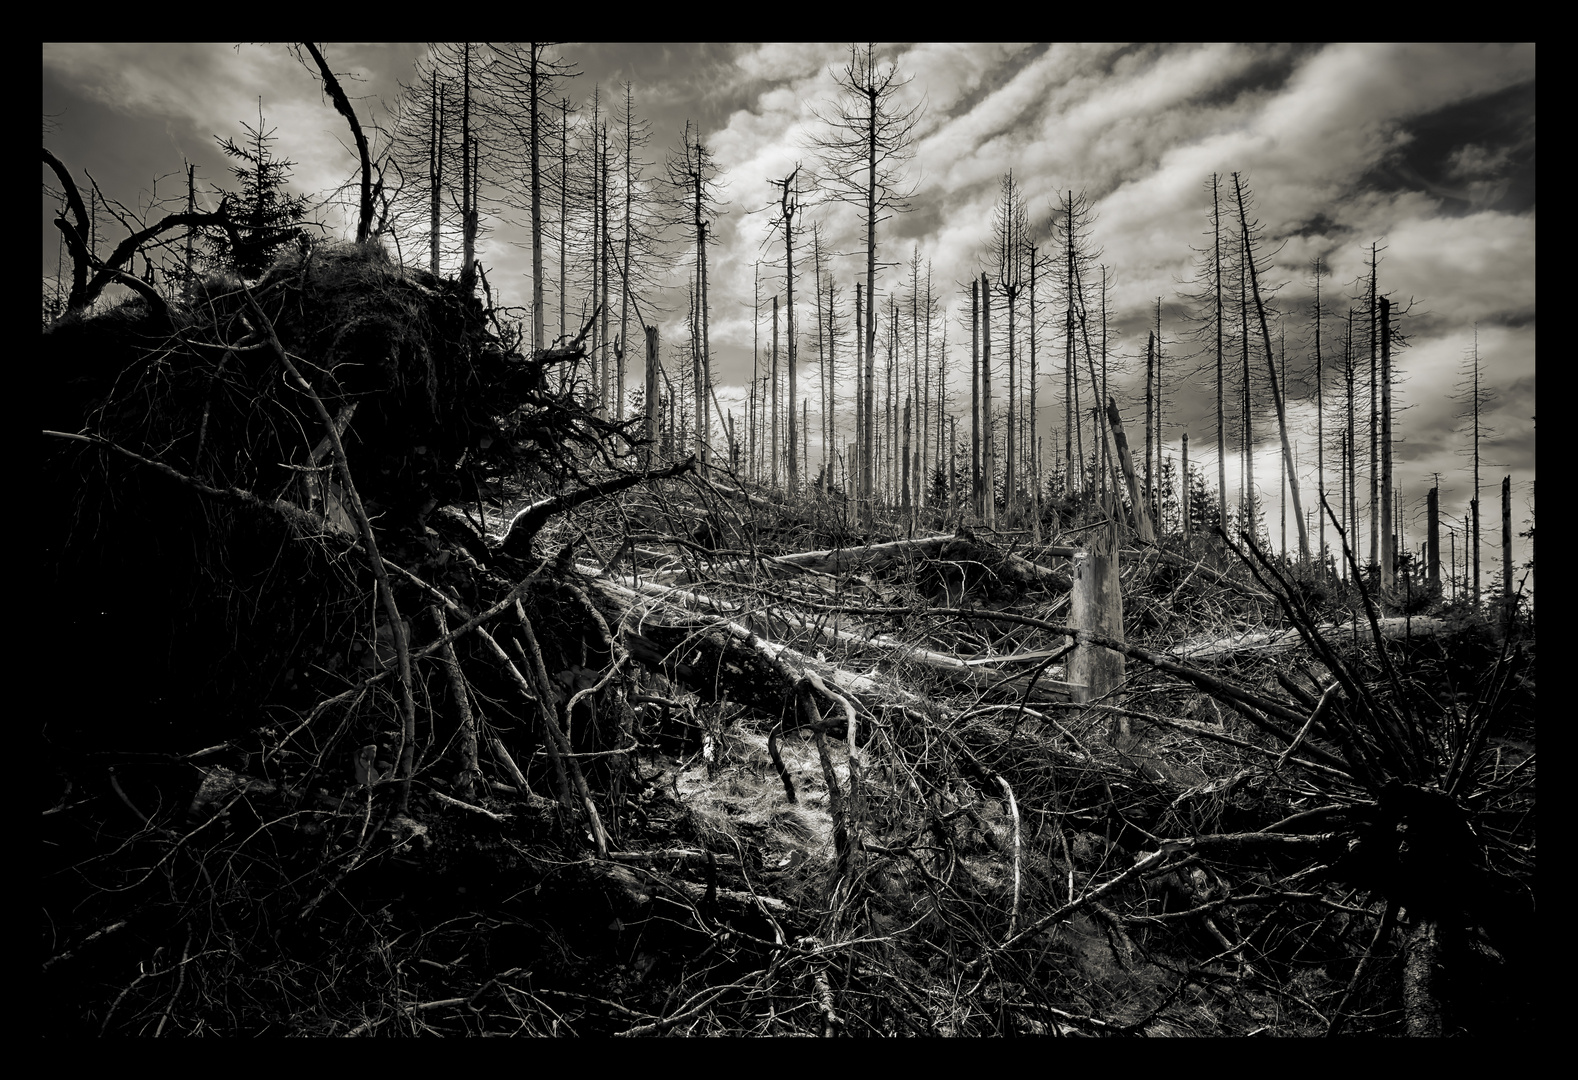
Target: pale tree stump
{"points": [[1098, 607]]}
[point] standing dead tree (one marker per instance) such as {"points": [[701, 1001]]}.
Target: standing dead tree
{"points": [[869, 140], [788, 208], [692, 177]]}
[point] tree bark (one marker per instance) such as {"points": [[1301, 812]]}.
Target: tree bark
{"points": [[1433, 539], [343, 104], [1506, 553], [651, 402], [1097, 607], [1421, 981], [775, 438], [1276, 392], [1388, 538], [988, 443], [975, 398], [1142, 517]]}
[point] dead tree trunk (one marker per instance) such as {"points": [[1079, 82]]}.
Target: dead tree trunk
{"points": [[975, 399], [652, 402], [1506, 552], [1388, 538], [1142, 517], [1097, 607], [1433, 539], [775, 445], [988, 442]]}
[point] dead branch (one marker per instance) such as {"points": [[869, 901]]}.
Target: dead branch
{"points": [[525, 525], [343, 105]]}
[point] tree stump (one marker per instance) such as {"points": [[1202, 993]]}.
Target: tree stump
{"points": [[1097, 607]]}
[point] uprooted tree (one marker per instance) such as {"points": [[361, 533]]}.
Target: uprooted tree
{"points": [[401, 692]]}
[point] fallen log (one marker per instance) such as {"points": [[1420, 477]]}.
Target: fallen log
{"points": [[1269, 640], [864, 556], [768, 623], [1017, 569]]}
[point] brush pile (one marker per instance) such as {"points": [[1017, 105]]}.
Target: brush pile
{"points": [[396, 692]]}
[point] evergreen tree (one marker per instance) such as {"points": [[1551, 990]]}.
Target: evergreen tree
{"points": [[1205, 510], [266, 215]]}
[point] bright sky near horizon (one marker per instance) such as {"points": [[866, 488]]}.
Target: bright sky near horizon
{"points": [[1427, 150]]}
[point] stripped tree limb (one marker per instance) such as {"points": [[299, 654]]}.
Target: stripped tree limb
{"points": [[343, 104], [526, 524]]}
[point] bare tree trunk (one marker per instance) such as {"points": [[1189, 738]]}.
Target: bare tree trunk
{"points": [[773, 442], [1159, 497], [624, 276], [953, 470], [1433, 540], [975, 399], [1375, 401], [824, 360], [1150, 405], [652, 402], [191, 208], [607, 399], [1350, 451], [753, 418], [989, 443], [857, 448], [706, 354], [1320, 426], [537, 312], [794, 385], [1221, 377], [1011, 446], [1472, 543], [1388, 540], [1247, 509], [1142, 517], [468, 228], [1097, 607], [905, 505], [928, 455], [435, 172], [1035, 472], [1506, 553], [868, 454], [564, 195]]}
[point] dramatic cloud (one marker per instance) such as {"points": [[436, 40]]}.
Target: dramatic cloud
{"points": [[1424, 149]]}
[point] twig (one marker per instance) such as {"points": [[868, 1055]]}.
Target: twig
{"points": [[502, 819], [680, 1017]]}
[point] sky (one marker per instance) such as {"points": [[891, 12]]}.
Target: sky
{"points": [[1424, 150]]}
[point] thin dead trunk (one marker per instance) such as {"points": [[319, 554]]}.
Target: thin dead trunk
{"points": [[1142, 517], [988, 440]]}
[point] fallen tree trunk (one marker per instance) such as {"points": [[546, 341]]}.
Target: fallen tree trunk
{"points": [[1392, 629], [865, 556], [767, 624]]}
